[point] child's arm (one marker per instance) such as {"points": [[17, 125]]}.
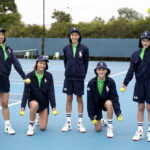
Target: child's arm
{"points": [[129, 74], [26, 95], [115, 99], [17, 65], [65, 59], [86, 60], [51, 93], [90, 102]]}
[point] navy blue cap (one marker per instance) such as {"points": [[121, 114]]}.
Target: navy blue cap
{"points": [[42, 58], [145, 34], [102, 65], [74, 29], [2, 30]]}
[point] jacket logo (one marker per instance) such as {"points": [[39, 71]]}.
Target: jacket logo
{"points": [[9, 50], [107, 89], [65, 89], [80, 54], [136, 97], [88, 89], [45, 80]]}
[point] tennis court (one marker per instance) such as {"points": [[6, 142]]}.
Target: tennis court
{"points": [[53, 138]]}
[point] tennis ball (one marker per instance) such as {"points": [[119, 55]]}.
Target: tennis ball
{"points": [[120, 118], [94, 121], [54, 112], [22, 113], [148, 10], [28, 80], [122, 89]]}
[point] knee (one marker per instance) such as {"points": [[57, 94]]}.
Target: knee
{"points": [[4, 106], [42, 128], [69, 99], [148, 107], [79, 99], [33, 105], [98, 129], [108, 105], [141, 107]]}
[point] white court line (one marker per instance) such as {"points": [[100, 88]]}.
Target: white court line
{"points": [[113, 75]]}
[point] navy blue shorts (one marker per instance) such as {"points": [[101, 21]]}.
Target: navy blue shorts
{"points": [[142, 91], [74, 87], [4, 85]]}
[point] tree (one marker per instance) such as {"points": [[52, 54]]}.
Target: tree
{"points": [[9, 14], [98, 20], [130, 14], [61, 16]]}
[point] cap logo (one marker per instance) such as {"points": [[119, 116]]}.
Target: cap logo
{"points": [[74, 28], [145, 33], [101, 64]]}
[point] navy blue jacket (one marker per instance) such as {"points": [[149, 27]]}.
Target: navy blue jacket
{"points": [[141, 68], [42, 94], [5, 66], [76, 68], [95, 101]]}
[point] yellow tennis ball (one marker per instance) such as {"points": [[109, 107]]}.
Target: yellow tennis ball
{"points": [[22, 113], [54, 112], [94, 121], [148, 10], [122, 89], [120, 118], [28, 80]]}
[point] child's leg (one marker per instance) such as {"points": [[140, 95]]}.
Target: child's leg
{"points": [[80, 108], [34, 106], [140, 115], [4, 103], [69, 107], [148, 110], [43, 119], [109, 107], [98, 126], [5, 110]]}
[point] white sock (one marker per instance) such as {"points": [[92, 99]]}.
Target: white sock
{"points": [[7, 122], [140, 126], [68, 116], [80, 117], [109, 122]]}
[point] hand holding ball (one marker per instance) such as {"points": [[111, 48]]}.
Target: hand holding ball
{"points": [[94, 121], [22, 113], [120, 118], [122, 89], [54, 112]]}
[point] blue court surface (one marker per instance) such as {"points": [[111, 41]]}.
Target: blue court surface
{"points": [[53, 138]]}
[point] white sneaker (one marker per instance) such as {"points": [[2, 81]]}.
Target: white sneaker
{"points": [[104, 122], [30, 131], [67, 127], [9, 129], [138, 135], [81, 127], [148, 136], [110, 133]]}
